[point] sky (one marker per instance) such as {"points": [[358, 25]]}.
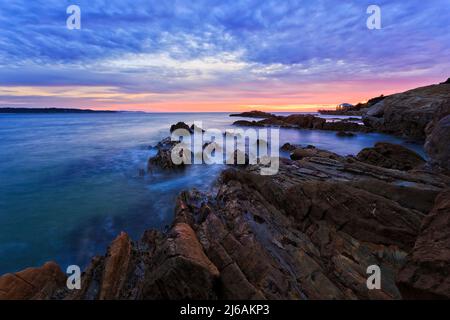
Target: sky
{"points": [[211, 55]]}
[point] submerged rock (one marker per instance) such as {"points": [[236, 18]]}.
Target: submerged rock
{"points": [[312, 230], [179, 268], [115, 269], [172, 266], [308, 232], [289, 147], [345, 134]]}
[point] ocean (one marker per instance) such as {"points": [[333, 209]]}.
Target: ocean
{"points": [[70, 183]]}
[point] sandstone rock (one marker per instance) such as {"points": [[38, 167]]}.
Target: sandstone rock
{"points": [[356, 110], [180, 125], [345, 126], [376, 110], [163, 158], [375, 100], [391, 156], [438, 144], [304, 122], [308, 152], [32, 283], [418, 114], [159, 266], [426, 272], [309, 232], [441, 112], [91, 282], [312, 230], [408, 113], [288, 147], [179, 269], [116, 267]]}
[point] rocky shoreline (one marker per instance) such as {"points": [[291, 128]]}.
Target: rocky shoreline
{"points": [[298, 121], [308, 232]]}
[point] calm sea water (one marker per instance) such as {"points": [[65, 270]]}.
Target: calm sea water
{"points": [[69, 183]]}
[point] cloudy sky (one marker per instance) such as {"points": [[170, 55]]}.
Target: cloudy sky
{"points": [[212, 55]]}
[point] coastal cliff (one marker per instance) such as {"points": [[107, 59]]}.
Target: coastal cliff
{"points": [[422, 113], [409, 113]]}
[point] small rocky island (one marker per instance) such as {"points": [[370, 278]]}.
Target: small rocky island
{"points": [[51, 110], [253, 114], [308, 232]]}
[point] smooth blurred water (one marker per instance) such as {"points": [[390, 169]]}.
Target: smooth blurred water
{"points": [[69, 183]]}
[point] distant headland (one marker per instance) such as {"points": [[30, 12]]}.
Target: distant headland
{"points": [[52, 110]]}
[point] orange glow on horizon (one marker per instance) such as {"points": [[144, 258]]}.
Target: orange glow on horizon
{"points": [[216, 107], [308, 97]]}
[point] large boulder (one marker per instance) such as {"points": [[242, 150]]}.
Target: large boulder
{"points": [[289, 147], [163, 158], [393, 156], [345, 134], [344, 126], [408, 113], [311, 151], [116, 266], [426, 274], [179, 125], [32, 283]]}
